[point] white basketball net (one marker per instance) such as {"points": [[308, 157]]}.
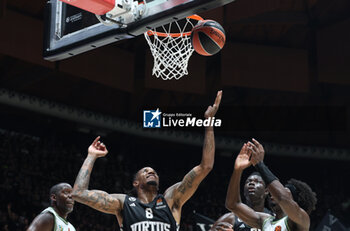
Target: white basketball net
{"points": [[171, 53]]}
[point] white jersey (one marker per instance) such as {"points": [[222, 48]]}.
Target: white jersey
{"points": [[279, 225], [60, 223]]}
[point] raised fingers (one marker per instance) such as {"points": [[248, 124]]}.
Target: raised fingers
{"points": [[244, 148], [218, 99], [255, 142], [260, 147], [253, 146], [96, 141]]}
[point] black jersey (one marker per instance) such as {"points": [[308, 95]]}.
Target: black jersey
{"points": [[241, 226], [154, 216]]}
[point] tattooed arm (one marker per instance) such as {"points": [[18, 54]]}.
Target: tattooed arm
{"points": [[99, 200], [179, 193]]}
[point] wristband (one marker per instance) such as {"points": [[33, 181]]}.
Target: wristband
{"points": [[265, 173]]}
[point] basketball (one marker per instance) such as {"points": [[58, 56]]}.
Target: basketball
{"points": [[208, 37]]}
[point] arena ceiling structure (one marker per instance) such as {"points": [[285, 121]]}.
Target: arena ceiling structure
{"points": [[278, 53]]}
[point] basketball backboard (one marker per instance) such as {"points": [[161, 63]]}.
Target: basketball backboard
{"points": [[70, 30]]}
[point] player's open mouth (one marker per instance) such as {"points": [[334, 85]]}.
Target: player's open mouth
{"points": [[251, 189]]}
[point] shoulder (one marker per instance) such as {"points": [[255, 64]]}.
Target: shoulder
{"points": [[120, 197], [72, 228], [46, 216], [128, 198], [44, 221]]}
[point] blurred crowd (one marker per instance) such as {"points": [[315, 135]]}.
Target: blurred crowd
{"points": [[31, 164]]}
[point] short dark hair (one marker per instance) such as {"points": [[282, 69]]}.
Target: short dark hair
{"points": [[56, 189], [136, 174], [133, 191], [305, 197], [256, 174]]}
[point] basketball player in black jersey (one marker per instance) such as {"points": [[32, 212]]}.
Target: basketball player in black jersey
{"points": [[255, 193], [148, 211]]}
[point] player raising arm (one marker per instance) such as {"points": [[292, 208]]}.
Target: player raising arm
{"points": [[292, 203], [149, 210]]}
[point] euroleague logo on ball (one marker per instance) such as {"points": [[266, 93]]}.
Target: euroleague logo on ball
{"points": [[208, 37], [220, 37], [278, 228]]}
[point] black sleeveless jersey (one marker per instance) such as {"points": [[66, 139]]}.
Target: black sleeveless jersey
{"points": [[241, 226], [154, 216]]}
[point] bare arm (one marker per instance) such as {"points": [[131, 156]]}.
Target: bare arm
{"points": [[99, 200], [284, 198], [279, 193], [43, 222], [233, 198], [179, 193]]}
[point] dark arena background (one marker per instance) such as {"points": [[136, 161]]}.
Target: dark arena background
{"points": [[285, 76]]}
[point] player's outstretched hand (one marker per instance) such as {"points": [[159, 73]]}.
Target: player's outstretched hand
{"points": [[97, 149], [242, 160], [257, 150], [211, 110]]}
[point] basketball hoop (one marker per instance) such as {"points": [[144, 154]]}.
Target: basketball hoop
{"points": [[171, 47]]}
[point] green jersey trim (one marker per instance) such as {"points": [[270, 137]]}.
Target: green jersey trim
{"points": [[286, 221], [266, 221], [61, 218], [274, 222]]}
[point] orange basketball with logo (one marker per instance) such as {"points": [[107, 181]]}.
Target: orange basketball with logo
{"points": [[208, 37]]}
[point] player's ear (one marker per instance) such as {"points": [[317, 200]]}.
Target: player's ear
{"points": [[135, 183], [53, 197]]}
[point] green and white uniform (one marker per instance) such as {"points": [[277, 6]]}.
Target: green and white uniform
{"points": [[279, 225], [60, 223]]}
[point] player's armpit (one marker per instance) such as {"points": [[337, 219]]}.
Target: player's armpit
{"points": [[100, 200], [182, 191]]}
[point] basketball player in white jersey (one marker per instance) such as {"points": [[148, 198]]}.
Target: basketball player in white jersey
{"points": [[292, 203], [54, 218], [147, 210]]}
